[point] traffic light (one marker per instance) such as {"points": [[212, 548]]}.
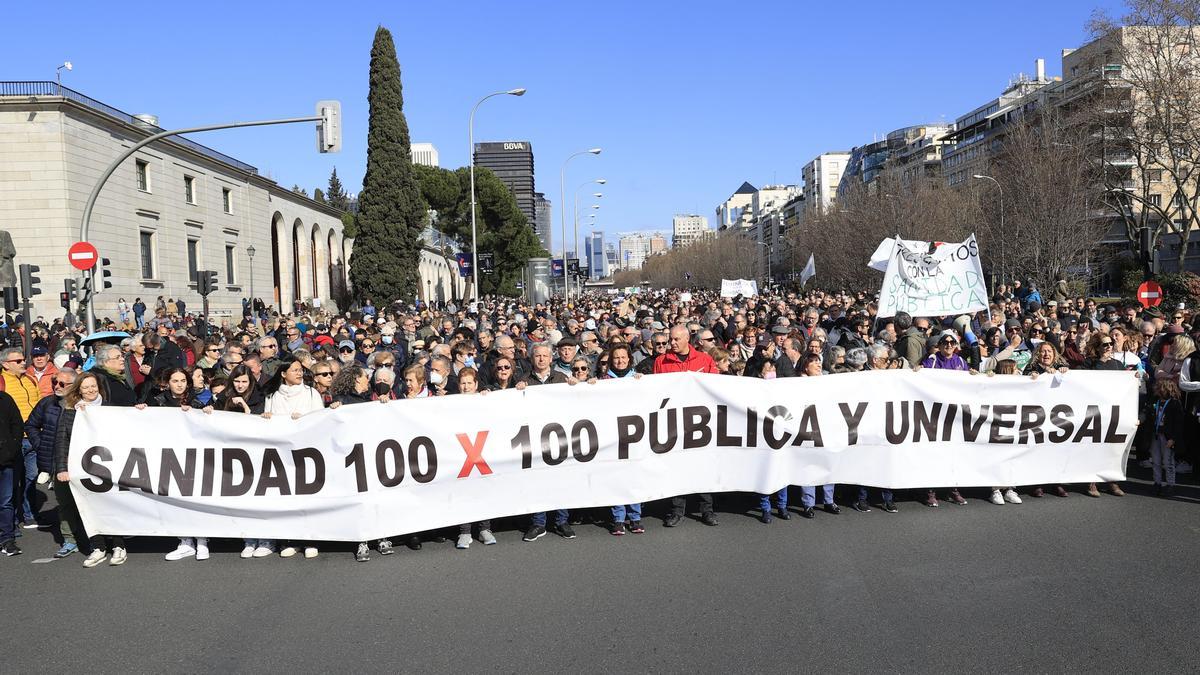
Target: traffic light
{"points": [[11, 304], [329, 129], [103, 272], [69, 290], [206, 282], [29, 283]]}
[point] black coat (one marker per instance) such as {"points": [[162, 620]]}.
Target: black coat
{"points": [[114, 389], [12, 431]]}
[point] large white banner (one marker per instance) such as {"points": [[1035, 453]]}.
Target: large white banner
{"points": [[373, 470], [734, 287], [941, 280]]}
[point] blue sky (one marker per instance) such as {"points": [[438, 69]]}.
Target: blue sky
{"points": [[687, 99]]}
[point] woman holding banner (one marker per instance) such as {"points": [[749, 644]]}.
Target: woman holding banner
{"points": [[243, 396], [287, 395], [1100, 355], [620, 366]]}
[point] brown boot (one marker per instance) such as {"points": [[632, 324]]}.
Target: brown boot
{"points": [[1116, 490], [1092, 491]]}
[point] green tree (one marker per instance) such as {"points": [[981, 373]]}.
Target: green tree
{"points": [[299, 190], [501, 227], [318, 196], [349, 225], [336, 194], [391, 214]]}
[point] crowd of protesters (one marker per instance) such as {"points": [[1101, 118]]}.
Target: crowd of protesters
{"points": [[300, 363]]}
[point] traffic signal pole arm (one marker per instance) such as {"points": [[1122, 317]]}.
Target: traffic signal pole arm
{"points": [[86, 221]]}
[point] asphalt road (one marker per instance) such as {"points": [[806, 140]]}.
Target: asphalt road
{"points": [[1052, 585]]}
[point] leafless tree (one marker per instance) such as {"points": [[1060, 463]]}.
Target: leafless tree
{"points": [[1146, 64], [1052, 189]]}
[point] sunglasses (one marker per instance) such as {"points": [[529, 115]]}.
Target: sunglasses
{"points": [[580, 369], [503, 367], [387, 364], [60, 385], [948, 342], [346, 350], [21, 360], [1106, 344], [367, 345], [660, 344], [323, 374], [213, 350], [707, 339]]}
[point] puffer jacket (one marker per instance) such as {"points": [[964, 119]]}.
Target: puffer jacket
{"points": [[41, 428]]}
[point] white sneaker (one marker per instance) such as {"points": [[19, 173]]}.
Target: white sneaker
{"points": [[1183, 467], [287, 552], [184, 550], [95, 558], [464, 541], [264, 549], [118, 557], [201, 548], [310, 552], [487, 537], [1010, 496], [997, 498], [248, 550]]}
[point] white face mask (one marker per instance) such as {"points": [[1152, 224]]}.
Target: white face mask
{"points": [[387, 339], [435, 378]]}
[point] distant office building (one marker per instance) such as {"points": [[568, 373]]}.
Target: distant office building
{"points": [[424, 153], [730, 211], [632, 249], [541, 220], [512, 162], [611, 256], [658, 243], [597, 262], [687, 228], [821, 178]]}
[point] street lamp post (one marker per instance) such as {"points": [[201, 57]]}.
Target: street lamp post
{"points": [[597, 195], [1001, 237], [562, 212], [58, 74], [471, 141], [770, 251], [250, 253]]}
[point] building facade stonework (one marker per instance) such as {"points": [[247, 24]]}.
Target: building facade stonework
{"points": [[171, 209]]}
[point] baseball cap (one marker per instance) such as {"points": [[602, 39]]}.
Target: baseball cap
{"points": [[38, 350], [346, 343]]}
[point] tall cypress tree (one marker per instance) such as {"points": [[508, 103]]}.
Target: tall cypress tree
{"points": [[383, 265], [336, 194]]}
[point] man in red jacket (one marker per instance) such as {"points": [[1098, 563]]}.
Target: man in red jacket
{"points": [[682, 358]]}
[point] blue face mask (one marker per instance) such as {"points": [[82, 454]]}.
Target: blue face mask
{"points": [[470, 362], [387, 339]]}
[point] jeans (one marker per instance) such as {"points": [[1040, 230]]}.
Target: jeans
{"points": [[29, 492], [808, 495], [70, 524], [1162, 457], [8, 530], [884, 494], [679, 504], [632, 511], [141, 320], [465, 528], [560, 518], [764, 501]]}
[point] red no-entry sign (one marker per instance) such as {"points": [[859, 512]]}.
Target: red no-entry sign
{"points": [[1150, 294], [83, 255]]}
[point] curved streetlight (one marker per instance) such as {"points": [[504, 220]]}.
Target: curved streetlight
{"points": [[598, 181], [1001, 237], [562, 206], [520, 91], [58, 74]]}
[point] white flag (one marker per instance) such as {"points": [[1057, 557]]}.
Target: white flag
{"points": [[883, 252], [809, 270]]}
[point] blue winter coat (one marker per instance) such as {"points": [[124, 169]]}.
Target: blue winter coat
{"points": [[41, 428]]}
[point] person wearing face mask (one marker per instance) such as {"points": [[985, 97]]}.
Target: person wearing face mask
{"points": [[382, 385], [464, 356], [442, 380], [353, 386]]}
